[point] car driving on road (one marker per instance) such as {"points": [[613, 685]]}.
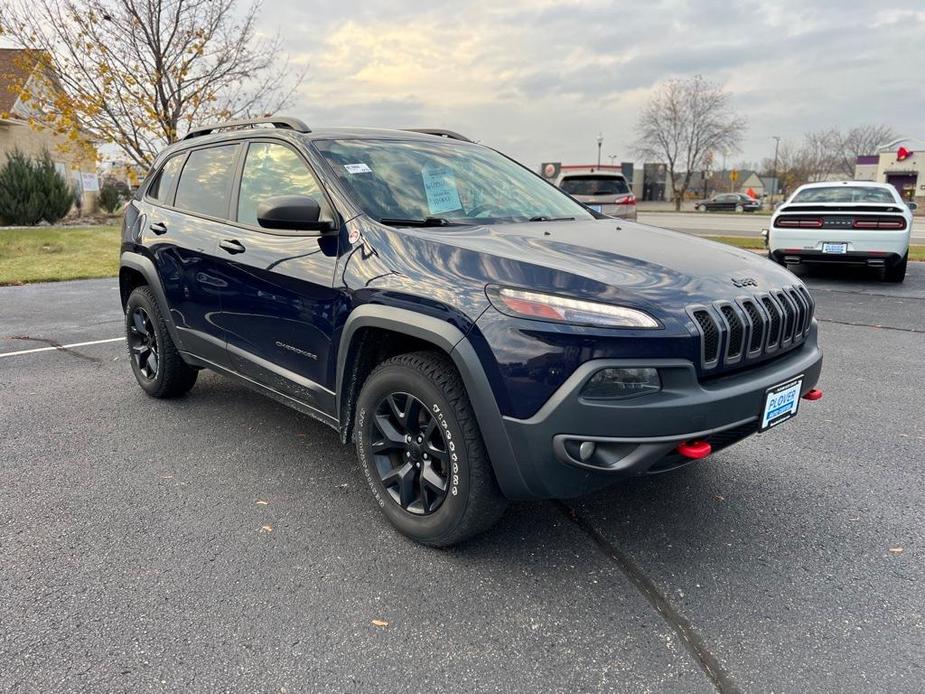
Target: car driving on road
{"points": [[478, 334], [848, 223], [728, 202]]}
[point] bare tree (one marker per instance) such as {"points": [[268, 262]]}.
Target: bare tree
{"points": [[827, 154], [861, 140], [683, 122], [139, 73]]}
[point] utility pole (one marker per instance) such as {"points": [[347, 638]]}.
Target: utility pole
{"points": [[774, 173], [600, 141]]}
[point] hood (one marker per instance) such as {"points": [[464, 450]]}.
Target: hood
{"points": [[614, 260]]}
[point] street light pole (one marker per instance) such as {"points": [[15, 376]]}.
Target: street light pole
{"points": [[774, 173], [612, 158], [600, 141]]}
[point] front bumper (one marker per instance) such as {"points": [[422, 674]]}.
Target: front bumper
{"points": [[638, 436]]}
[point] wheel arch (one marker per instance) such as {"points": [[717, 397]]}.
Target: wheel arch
{"points": [[430, 332], [136, 270]]}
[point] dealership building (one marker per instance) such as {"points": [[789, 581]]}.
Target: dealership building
{"points": [[900, 163]]}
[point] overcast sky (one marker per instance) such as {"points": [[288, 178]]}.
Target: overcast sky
{"points": [[539, 79]]}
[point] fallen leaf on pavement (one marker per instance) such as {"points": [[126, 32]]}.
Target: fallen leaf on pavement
{"points": [[266, 528], [896, 550], [380, 623], [261, 502]]}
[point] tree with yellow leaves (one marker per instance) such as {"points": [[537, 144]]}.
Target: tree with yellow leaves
{"points": [[139, 73]]}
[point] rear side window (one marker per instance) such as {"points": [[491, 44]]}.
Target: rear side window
{"points": [[205, 183], [271, 170], [164, 181], [594, 185]]}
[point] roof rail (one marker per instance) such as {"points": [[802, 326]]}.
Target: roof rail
{"points": [[438, 132], [282, 122]]}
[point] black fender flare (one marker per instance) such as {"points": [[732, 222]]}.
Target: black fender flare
{"points": [[452, 341], [144, 266]]}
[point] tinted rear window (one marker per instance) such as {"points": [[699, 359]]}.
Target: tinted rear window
{"points": [[205, 183], [594, 185], [844, 194]]}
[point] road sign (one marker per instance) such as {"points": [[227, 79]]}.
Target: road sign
{"points": [[733, 175]]}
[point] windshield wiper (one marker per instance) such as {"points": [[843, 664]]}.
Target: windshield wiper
{"points": [[426, 222], [543, 218]]}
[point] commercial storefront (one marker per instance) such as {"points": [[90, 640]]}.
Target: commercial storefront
{"points": [[900, 163]]}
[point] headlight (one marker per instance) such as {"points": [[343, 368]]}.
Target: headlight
{"points": [[611, 383], [549, 307]]}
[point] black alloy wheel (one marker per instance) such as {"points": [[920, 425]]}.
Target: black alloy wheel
{"points": [[143, 343], [410, 453]]}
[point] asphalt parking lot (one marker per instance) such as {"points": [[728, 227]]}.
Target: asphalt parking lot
{"points": [[224, 542]]}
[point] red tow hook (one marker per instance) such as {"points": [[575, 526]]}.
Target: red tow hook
{"points": [[814, 394], [694, 449]]}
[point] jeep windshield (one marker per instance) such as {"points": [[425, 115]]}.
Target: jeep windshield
{"points": [[443, 183]]}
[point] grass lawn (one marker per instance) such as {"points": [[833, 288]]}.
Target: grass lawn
{"points": [[52, 254]]}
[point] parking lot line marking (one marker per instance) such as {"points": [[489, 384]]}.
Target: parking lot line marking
{"points": [[58, 348]]}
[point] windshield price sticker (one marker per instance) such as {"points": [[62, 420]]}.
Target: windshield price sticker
{"points": [[357, 168], [440, 188]]}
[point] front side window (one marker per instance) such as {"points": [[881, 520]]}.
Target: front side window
{"points": [[454, 181], [844, 194], [594, 185], [162, 185], [270, 170], [205, 184]]}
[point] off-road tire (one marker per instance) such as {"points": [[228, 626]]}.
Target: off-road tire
{"points": [[173, 376], [472, 502]]}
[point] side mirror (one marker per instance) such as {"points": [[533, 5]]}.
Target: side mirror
{"points": [[913, 206], [292, 212]]}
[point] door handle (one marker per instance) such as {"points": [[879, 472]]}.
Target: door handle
{"points": [[231, 246], [158, 228]]}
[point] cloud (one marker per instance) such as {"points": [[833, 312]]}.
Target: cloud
{"points": [[540, 79]]}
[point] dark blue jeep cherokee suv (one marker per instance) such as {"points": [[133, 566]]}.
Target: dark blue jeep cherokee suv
{"points": [[480, 334]]}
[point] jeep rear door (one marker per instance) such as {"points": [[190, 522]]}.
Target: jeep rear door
{"points": [[186, 219]]}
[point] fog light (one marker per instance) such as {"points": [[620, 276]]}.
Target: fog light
{"points": [[614, 384]]}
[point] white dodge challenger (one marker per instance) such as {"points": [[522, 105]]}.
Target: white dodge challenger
{"points": [[848, 222]]}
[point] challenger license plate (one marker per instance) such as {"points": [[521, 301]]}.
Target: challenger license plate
{"points": [[828, 247], [781, 403]]}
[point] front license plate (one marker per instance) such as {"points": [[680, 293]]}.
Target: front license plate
{"points": [[781, 403], [834, 247]]}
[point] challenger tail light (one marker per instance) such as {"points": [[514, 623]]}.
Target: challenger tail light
{"points": [[879, 224], [787, 223]]}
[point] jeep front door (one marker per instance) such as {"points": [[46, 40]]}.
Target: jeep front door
{"points": [[278, 310]]}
